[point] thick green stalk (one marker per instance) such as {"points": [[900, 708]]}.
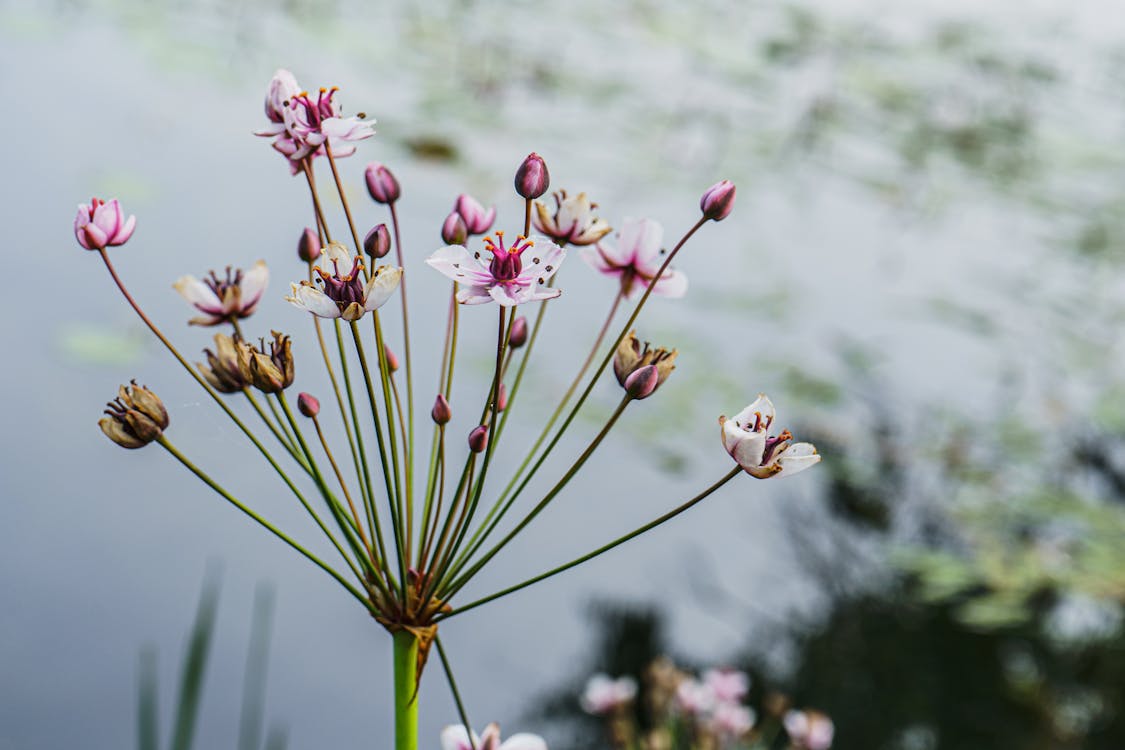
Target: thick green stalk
{"points": [[406, 683]]}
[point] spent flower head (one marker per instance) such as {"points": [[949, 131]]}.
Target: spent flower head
{"points": [[270, 371], [226, 299], [746, 438], [572, 222], [222, 371], [135, 418]]}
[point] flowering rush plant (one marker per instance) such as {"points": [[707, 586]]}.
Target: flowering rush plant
{"points": [[411, 529]]}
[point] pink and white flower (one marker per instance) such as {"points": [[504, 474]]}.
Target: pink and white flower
{"points": [[727, 685], [226, 299], [514, 275], [731, 721], [302, 126], [636, 260], [809, 730], [477, 219], [694, 698], [456, 737], [345, 295], [761, 455], [603, 694], [572, 222], [100, 224]]}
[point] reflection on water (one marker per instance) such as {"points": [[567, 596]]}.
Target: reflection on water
{"points": [[925, 266]]}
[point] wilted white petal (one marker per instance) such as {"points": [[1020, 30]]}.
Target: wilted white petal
{"points": [[381, 286], [198, 294], [313, 300], [748, 451], [761, 406], [797, 457]]}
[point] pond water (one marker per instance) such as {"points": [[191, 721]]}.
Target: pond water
{"points": [[929, 201]]}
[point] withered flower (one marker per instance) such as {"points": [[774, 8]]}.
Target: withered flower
{"points": [[224, 299], [135, 418], [222, 371], [268, 372], [572, 222], [631, 358]]}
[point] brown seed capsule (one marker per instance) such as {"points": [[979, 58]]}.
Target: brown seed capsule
{"points": [[308, 405], [222, 371], [269, 373], [135, 418]]}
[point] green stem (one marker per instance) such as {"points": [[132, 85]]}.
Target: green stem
{"points": [[263, 522], [456, 693], [406, 685], [600, 550]]}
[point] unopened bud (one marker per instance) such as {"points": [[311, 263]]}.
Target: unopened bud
{"points": [[381, 184], [717, 201], [441, 413], [478, 439], [453, 230], [502, 398], [308, 405], [532, 178], [308, 247], [135, 418], [392, 360], [518, 336], [377, 243], [477, 219], [642, 383]]}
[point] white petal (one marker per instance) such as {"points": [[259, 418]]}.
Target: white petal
{"points": [[509, 294], [198, 294], [455, 737], [573, 213], [762, 405], [672, 284], [456, 262], [524, 741], [474, 295], [600, 257], [748, 451], [797, 457], [381, 286], [254, 284], [338, 254], [315, 301], [640, 240], [541, 259]]}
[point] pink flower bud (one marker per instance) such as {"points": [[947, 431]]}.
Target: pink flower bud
{"points": [[308, 247], [478, 439], [381, 184], [502, 398], [308, 405], [441, 413], [642, 382], [717, 201], [100, 224], [377, 243], [532, 178], [454, 231], [477, 220], [518, 336], [392, 360]]}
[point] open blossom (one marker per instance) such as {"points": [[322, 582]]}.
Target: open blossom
{"points": [[809, 730], [731, 721], [301, 125], [100, 224], [636, 260], [604, 694], [345, 295], [513, 276], [572, 222], [728, 685], [226, 299], [457, 738], [761, 455]]}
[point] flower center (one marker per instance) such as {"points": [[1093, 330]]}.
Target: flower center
{"points": [[220, 286], [315, 111], [343, 289], [506, 264], [774, 445]]}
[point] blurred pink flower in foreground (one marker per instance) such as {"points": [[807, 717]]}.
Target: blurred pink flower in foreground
{"points": [[457, 738], [221, 300], [102, 224], [759, 455], [604, 694], [507, 278], [636, 260], [809, 730], [727, 685]]}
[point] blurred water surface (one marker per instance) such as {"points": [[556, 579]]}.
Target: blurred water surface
{"points": [[930, 219]]}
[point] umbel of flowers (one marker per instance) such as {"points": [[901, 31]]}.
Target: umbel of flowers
{"points": [[412, 519]]}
